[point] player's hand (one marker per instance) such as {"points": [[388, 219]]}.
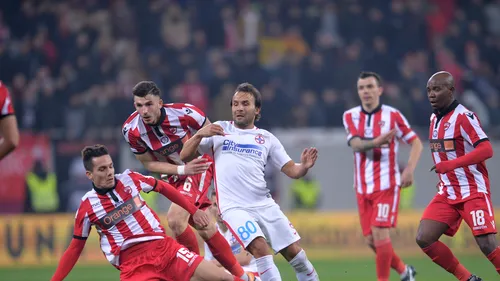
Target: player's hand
{"points": [[309, 157], [406, 178], [442, 167], [211, 130], [201, 219], [384, 138], [197, 166]]}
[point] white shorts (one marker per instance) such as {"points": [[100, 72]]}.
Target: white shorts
{"points": [[269, 222]]}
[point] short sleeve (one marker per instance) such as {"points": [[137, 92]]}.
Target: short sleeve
{"points": [[144, 183], [82, 221], [349, 126], [404, 130], [470, 128], [136, 145], [277, 153], [206, 146], [195, 117]]}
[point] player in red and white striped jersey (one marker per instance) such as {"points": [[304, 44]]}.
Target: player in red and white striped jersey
{"points": [[9, 132], [459, 149], [156, 133], [371, 129], [131, 236]]}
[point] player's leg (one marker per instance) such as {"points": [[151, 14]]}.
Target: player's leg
{"points": [[177, 219], [284, 239], [479, 215], [385, 209], [440, 218], [406, 272], [249, 234], [207, 271], [381, 211], [222, 251]]}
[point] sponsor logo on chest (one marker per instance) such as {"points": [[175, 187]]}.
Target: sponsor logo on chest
{"points": [[121, 212]]}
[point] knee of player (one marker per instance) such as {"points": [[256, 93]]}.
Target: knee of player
{"points": [[177, 222], [369, 241], [291, 251], [487, 243], [422, 240], [258, 247], [208, 231]]}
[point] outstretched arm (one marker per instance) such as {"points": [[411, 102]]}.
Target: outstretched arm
{"points": [[69, 259]]}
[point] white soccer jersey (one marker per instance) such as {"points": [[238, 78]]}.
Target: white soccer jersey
{"points": [[240, 158]]}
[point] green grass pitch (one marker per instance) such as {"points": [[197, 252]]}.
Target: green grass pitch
{"points": [[351, 269]]}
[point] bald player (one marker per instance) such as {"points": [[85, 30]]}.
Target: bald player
{"points": [[459, 149]]}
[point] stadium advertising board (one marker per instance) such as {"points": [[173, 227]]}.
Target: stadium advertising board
{"points": [[42, 239]]}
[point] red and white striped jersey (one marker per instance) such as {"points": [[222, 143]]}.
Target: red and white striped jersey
{"points": [[377, 169], [454, 133], [6, 107], [177, 123], [120, 215]]}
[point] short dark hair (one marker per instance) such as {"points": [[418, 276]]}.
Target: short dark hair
{"points": [[90, 152], [367, 74], [145, 88], [249, 88]]}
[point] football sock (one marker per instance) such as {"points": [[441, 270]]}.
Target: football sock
{"points": [[304, 270], [383, 258], [494, 258], [397, 264], [189, 240], [223, 254], [267, 269], [442, 256]]}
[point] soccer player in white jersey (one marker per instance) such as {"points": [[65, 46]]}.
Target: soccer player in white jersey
{"points": [[244, 258], [240, 152]]}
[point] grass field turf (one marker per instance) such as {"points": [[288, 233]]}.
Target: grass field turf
{"points": [[329, 270]]}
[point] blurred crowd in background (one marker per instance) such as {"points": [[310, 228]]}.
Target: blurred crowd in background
{"points": [[71, 64]]}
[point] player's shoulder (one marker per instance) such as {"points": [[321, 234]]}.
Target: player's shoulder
{"points": [[464, 111], [132, 121], [389, 108], [224, 124], [4, 91], [354, 110], [126, 175], [181, 108]]}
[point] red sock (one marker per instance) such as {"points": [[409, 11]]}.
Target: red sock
{"points": [[189, 240], [442, 256], [494, 258], [384, 253], [223, 254], [397, 264]]}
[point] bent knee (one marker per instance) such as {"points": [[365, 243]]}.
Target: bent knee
{"points": [[258, 247], [369, 241], [177, 222], [423, 241], [207, 232]]}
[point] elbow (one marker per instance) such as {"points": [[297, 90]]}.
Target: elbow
{"points": [[184, 156], [12, 142]]}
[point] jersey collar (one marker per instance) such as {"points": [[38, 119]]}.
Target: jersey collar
{"points": [[375, 110], [449, 109], [103, 191]]}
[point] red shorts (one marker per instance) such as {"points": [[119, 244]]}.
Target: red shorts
{"points": [[378, 209], [476, 212], [195, 187], [162, 259]]}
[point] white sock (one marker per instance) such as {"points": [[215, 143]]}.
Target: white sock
{"points": [[267, 269], [304, 270], [405, 273]]}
